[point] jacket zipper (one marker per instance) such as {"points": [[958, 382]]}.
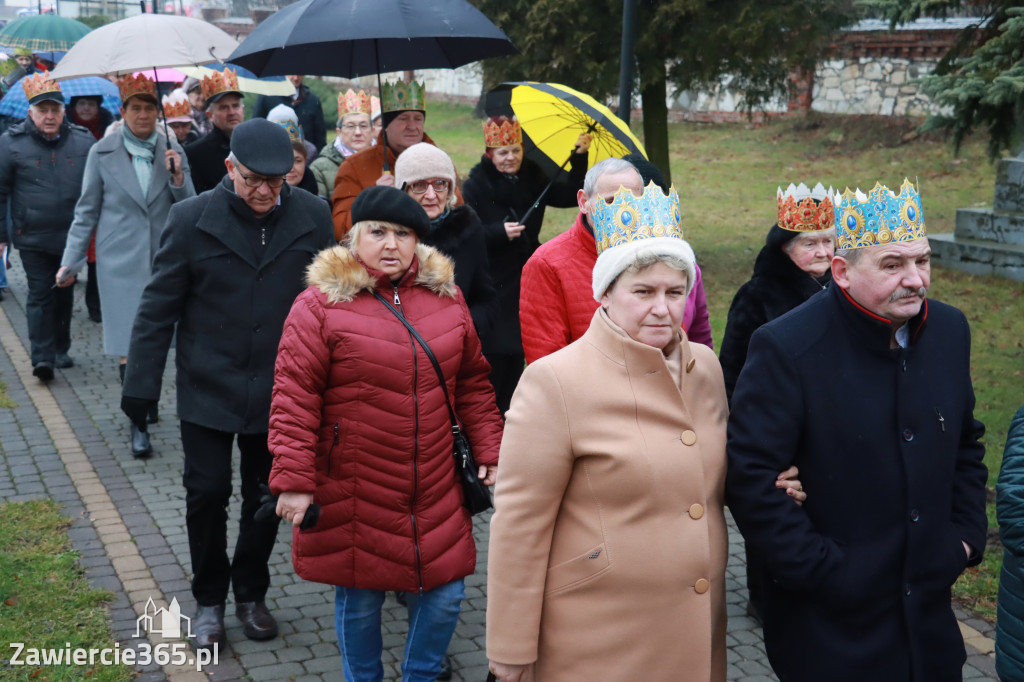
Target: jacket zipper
{"points": [[942, 420], [330, 453], [415, 452]]}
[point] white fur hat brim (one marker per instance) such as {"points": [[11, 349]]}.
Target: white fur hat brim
{"points": [[614, 261]]}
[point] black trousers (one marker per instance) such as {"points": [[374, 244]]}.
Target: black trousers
{"points": [[207, 481], [505, 373], [48, 309], [92, 292]]}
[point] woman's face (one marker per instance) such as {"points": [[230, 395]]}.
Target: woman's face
{"points": [[432, 199], [648, 305], [811, 252], [387, 249], [508, 159], [86, 109], [294, 176]]}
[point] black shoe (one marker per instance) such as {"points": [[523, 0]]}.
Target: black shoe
{"points": [[446, 668], [209, 627], [154, 414], [141, 446], [43, 370], [64, 361], [257, 623]]}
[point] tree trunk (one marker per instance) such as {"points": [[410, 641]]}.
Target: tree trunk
{"points": [[653, 93]]}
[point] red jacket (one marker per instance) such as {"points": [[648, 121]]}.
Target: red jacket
{"points": [[358, 419], [556, 302]]}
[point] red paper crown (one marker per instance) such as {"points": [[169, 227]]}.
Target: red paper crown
{"points": [[137, 86], [220, 82], [799, 212], [508, 133], [39, 84], [353, 102], [176, 106]]}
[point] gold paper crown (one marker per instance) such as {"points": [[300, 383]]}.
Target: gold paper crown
{"points": [[879, 217], [176, 106], [136, 86], [353, 102], [402, 96], [805, 210], [508, 133], [220, 82], [630, 218], [39, 84]]}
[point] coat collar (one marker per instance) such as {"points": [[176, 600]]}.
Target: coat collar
{"points": [[774, 263], [340, 276], [875, 330]]}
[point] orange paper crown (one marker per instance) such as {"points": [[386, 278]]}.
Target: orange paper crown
{"points": [[508, 133], [353, 102], [805, 210], [220, 82], [39, 84], [177, 107], [137, 86]]}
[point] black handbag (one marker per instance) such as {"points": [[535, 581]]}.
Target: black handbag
{"points": [[476, 495]]}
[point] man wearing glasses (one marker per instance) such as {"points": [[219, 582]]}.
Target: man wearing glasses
{"points": [[230, 264], [354, 135]]}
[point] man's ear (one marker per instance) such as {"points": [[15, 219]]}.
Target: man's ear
{"points": [[841, 272], [230, 166], [581, 200]]}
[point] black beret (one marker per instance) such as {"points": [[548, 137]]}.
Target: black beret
{"points": [[263, 147], [391, 205]]}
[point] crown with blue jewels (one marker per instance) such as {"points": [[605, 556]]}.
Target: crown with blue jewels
{"points": [[630, 218], [878, 217]]}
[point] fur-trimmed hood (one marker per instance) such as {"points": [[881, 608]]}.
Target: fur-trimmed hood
{"points": [[340, 276]]}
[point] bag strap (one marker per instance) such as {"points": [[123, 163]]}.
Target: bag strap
{"points": [[456, 429]]}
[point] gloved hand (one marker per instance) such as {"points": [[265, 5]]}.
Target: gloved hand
{"points": [[268, 509], [137, 409]]}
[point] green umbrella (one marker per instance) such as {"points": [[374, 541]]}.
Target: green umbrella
{"points": [[43, 32]]}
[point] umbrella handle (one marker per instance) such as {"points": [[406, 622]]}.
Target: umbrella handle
{"points": [[536, 203]]}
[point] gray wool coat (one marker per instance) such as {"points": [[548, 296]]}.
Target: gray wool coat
{"points": [[127, 225]]}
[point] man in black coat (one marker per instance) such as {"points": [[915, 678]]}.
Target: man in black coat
{"points": [[866, 389], [307, 108], [230, 264], [225, 110]]}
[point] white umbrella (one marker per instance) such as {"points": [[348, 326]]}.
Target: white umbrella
{"points": [[145, 41]]}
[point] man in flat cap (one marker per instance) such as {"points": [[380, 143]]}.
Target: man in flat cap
{"points": [[230, 264]]}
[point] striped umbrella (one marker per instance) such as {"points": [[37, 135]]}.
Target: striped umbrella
{"points": [[15, 103], [43, 32]]}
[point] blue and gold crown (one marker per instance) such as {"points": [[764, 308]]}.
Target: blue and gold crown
{"points": [[879, 217], [630, 218]]}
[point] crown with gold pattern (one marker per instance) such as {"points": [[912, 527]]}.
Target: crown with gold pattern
{"points": [[508, 132], [137, 86], [177, 108], [220, 83], [878, 217], [630, 218], [352, 102], [402, 96], [806, 210], [39, 87]]}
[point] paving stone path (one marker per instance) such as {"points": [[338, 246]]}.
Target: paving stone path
{"points": [[69, 441]]}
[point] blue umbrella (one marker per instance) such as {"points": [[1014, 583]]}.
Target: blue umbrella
{"points": [[15, 103]]}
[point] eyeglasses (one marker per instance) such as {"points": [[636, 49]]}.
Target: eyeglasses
{"points": [[356, 126], [421, 186], [255, 181]]}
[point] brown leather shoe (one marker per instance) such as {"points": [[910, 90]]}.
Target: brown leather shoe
{"points": [[209, 626], [257, 623]]}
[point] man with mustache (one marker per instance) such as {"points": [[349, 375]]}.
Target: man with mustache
{"points": [[866, 389]]}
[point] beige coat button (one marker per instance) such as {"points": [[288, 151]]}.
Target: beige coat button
{"points": [[701, 586], [690, 364], [688, 437], [696, 511]]}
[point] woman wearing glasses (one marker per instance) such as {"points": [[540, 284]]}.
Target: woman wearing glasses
{"points": [[353, 136], [427, 174]]}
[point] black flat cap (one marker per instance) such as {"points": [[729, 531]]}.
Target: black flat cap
{"points": [[391, 205], [262, 147]]}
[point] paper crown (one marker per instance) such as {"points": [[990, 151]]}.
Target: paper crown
{"points": [[402, 96], [40, 84], [374, 107], [285, 116], [352, 102], [806, 210], [137, 86], [177, 108], [220, 83], [631, 218], [878, 217], [507, 133]]}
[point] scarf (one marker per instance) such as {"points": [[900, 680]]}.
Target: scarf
{"points": [[436, 222], [343, 148], [142, 152]]}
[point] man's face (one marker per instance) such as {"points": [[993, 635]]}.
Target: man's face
{"points": [[196, 99], [296, 81], [405, 131], [226, 113], [355, 131], [140, 117], [24, 60], [890, 280], [47, 117], [260, 198], [606, 187]]}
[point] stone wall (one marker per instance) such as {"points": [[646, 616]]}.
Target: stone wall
{"points": [[872, 85]]}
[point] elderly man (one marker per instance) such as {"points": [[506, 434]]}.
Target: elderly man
{"points": [[556, 300], [225, 110], [867, 389], [353, 136], [307, 108], [404, 106], [41, 164], [230, 264], [132, 178]]}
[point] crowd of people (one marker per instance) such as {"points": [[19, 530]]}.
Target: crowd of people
{"points": [[331, 302]]}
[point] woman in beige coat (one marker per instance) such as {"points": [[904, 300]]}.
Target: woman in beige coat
{"points": [[608, 545]]}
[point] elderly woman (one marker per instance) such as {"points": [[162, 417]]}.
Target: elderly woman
{"points": [[608, 545], [353, 131], [427, 174], [360, 426], [501, 189]]}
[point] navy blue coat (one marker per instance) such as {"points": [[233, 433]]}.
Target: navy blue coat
{"points": [[858, 579], [1010, 509]]}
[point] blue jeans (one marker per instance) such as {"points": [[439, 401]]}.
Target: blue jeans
{"points": [[432, 619]]}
